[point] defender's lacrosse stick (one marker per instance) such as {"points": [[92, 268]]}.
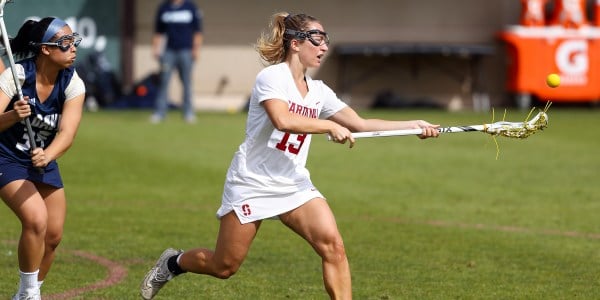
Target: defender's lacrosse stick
{"points": [[13, 69], [519, 130]]}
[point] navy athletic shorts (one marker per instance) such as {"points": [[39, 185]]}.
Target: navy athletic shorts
{"points": [[11, 171]]}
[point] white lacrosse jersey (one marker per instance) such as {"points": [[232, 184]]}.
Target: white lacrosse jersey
{"points": [[268, 174]]}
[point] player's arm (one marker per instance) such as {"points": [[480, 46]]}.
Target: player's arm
{"points": [[348, 118], [286, 121], [12, 116], [157, 41], [197, 44], [67, 128], [20, 109]]}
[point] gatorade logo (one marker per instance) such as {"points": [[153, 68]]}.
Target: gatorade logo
{"points": [[572, 62]]}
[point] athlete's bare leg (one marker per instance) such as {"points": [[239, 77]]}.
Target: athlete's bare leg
{"points": [[233, 244], [315, 222], [23, 199], [56, 205]]}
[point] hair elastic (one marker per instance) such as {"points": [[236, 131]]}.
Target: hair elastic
{"points": [[287, 18]]}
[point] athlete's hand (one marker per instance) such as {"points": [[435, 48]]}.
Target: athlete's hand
{"points": [[38, 158], [429, 130], [341, 135], [22, 108]]}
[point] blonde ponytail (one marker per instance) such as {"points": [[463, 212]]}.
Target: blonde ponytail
{"points": [[273, 46]]}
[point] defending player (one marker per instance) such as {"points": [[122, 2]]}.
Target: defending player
{"points": [[54, 96], [268, 176]]}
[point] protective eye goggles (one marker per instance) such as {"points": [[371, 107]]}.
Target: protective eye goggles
{"points": [[315, 37], [65, 42]]}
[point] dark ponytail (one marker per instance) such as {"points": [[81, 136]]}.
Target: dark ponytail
{"points": [[25, 43]]}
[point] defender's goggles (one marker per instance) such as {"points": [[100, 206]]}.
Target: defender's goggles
{"points": [[315, 36], [65, 42]]}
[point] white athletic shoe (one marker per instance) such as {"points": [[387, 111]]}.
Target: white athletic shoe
{"points": [[157, 276], [28, 296], [191, 119], [155, 119]]}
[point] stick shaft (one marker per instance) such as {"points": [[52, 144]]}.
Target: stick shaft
{"points": [[402, 132]]}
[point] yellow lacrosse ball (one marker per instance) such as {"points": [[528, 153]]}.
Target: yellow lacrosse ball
{"points": [[553, 80]]}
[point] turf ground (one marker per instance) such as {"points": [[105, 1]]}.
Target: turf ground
{"points": [[422, 219]]}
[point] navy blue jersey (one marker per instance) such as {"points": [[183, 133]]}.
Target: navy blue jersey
{"points": [[178, 23], [45, 117]]}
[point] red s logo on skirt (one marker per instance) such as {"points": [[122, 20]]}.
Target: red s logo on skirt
{"points": [[246, 210]]}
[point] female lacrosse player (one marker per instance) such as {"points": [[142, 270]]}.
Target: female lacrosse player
{"points": [[30, 181], [267, 177]]}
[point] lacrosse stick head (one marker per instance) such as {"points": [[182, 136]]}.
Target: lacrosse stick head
{"points": [[519, 130]]}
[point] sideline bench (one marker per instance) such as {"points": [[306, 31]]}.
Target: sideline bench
{"points": [[470, 78]]}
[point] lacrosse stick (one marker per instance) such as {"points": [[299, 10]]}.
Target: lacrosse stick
{"points": [[13, 69], [519, 130]]}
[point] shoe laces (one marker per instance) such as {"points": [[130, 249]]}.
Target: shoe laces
{"points": [[162, 275]]}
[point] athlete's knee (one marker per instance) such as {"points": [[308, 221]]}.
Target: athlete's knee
{"points": [[206, 263], [35, 223], [332, 250], [53, 239], [226, 270]]}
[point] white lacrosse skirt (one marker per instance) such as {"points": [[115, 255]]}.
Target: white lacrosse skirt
{"points": [[256, 197], [266, 207]]}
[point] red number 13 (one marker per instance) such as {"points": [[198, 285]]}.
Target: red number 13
{"points": [[283, 145]]}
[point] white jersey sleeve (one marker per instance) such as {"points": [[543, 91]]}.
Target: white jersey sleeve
{"points": [[332, 104], [7, 83], [268, 86], [75, 88]]}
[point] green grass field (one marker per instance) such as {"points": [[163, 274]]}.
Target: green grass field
{"points": [[421, 219]]}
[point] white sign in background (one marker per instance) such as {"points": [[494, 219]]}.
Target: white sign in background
{"points": [[572, 61]]}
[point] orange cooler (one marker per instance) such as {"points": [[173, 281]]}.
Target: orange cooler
{"points": [[536, 52], [569, 47]]}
